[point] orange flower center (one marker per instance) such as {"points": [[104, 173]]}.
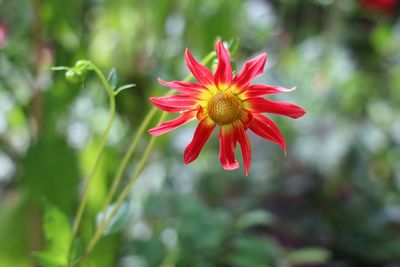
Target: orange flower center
{"points": [[224, 108]]}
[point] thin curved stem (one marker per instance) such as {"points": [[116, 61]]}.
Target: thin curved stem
{"points": [[128, 155], [103, 140], [104, 222], [143, 126], [124, 192]]}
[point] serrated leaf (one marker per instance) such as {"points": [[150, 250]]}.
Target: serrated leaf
{"points": [[113, 78], [255, 217], [124, 87], [46, 259], [310, 255], [57, 231], [118, 221]]}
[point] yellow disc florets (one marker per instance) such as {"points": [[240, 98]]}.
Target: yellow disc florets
{"points": [[224, 108]]}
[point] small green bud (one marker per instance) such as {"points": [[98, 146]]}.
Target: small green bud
{"points": [[74, 76], [82, 66]]}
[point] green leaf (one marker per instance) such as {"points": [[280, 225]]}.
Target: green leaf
{"points": [[310, 255], [113, 78], [58, 235], [118, 221], [255, 217], [123, 87], [252, 250]]}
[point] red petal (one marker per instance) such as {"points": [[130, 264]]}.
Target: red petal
{"points": [[201, 73], [223, 74], [241, 137], [200, 137], [173, 124], [183, 87], [257, 90], [258, 105], [174, 103], [267, 129], [250, 70], [227, 148]]}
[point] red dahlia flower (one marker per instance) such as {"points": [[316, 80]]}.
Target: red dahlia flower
{"points": [[230, 102]]}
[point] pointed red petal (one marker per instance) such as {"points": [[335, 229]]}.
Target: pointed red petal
{"points": [[223, 74], [257, 90], [258, 105], [241, 137], [267, 129], [174, 103], [227, 147], [251, 69], [200, 72], [173, 124], [200, 137], [183, 87]]}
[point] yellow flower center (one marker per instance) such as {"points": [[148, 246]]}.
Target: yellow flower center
{"points": [[224, 108]]}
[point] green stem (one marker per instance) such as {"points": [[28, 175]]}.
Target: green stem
{"points": [[121, 168], [128, 155], [126, 190], [143, 126], [89, 179]]}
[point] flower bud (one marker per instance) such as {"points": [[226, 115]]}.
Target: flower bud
{"points": [[82, 66], [74, 76]]}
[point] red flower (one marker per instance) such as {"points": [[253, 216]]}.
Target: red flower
{"points": [[230, 102], [383, 6]]}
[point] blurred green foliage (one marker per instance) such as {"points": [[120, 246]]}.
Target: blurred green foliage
{"points": [[58, 233], [334, 200]]}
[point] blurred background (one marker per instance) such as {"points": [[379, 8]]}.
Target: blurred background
{"points": [[334, 200]]}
